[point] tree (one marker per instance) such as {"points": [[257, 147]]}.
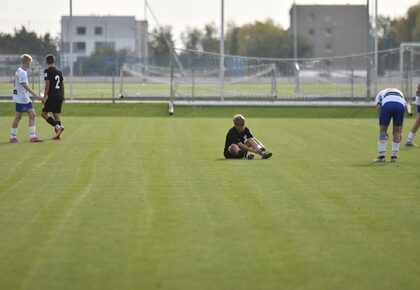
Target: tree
{"points": [[266, 39], [24, 41], [387, 33], [192, 39], [211, 42], [161, 41], [232, 45], [407, 29]]}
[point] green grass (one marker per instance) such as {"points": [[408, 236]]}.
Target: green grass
{"points": [[285, 90], [161, 110], [134, 202]]}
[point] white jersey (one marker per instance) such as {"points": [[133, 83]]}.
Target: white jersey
{"points": [[20, 95], [390, 95]]}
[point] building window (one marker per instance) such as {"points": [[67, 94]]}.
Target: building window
{"points": [[104, 45], [81, 30], [79, 46], [98, 31], [328, 32], [328, 48], [311, 32]]}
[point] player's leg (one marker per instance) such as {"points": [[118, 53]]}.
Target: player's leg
{"points": [[384, 120], [58, 128], [48, 118], [398, 120], [256, 147], [32, 129], [253, 145], [49, 107], [235, 152], [259, 144], [382, 143], [15, 123], [414, 129], [57, 118], [396, 139]]}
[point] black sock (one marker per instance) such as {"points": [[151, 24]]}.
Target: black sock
{"points": [[241, 153], [51, 121]]}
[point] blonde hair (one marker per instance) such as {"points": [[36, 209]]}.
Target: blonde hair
{"points": [[238, 117], [25, 58]]}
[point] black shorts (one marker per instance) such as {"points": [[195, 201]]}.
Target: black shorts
{"points": [[229, 155], [52, 105]]}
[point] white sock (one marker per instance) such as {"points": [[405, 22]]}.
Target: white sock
{"points": [[13, 133], [395, 149], [32, 132], [410, 137], [381, 147], [57, 126]]}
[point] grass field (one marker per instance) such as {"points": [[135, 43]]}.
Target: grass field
{"points": [[131, 198], [285, 90]]}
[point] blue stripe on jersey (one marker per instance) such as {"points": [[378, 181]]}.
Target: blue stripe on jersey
{"points": [[393, 93]]}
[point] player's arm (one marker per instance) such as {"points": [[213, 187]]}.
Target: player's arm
{"points": [[378, 108], [62, 90], [408, 102], [46, 89], [378, 101], [25, 85]]}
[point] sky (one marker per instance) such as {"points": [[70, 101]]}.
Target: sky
{"points": [[44, 15]]}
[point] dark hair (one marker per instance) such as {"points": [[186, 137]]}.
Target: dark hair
{"points": [[50, 59]]}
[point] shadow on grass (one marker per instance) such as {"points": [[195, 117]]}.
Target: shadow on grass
{"points": [[373, 164]]}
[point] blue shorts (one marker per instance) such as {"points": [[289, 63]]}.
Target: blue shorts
{"points": [[21, 108], [394, 111], [418, 109]]}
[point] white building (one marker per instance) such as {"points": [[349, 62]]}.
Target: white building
{"points": [[89, 33]]}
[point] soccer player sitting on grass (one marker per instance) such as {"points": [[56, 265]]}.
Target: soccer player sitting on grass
{"points": [[390, 104], [21, 93], [416, 125], [54, 96], [237, 147]]}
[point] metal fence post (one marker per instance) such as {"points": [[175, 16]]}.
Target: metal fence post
{"points": [[113, 85], [352, 84], [410, 88], [193, 84], [273, 82], [171, 89], [121, 83]]}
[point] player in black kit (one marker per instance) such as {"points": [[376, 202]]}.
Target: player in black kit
{"points": [[54, 96], [240, 141]]}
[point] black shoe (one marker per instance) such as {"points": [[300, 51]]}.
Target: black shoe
{"points": [[394, 158], [249, 156], [266, 155], [379, 159]]}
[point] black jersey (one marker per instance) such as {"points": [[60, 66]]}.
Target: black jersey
{"points": [[234, 137], [56, 79]]}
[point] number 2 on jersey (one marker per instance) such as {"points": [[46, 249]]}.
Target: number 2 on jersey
{"points": [[57, 85]]}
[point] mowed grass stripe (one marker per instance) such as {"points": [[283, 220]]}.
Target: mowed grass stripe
{"points": [[151, 203]]}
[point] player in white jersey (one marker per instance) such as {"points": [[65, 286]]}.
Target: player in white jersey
{"points": [[21, 93], [416, 125], [390, 104]]}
